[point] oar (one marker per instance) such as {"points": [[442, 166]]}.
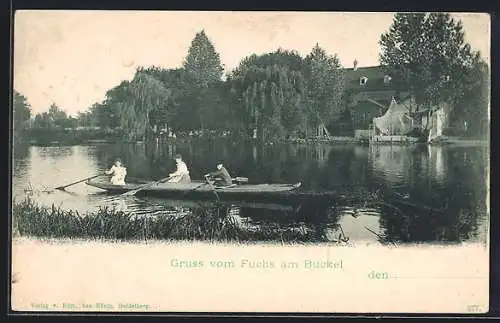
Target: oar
{"points": [[212, 187], [193, 189], [133, 192], [83, 180], [198, 186]]}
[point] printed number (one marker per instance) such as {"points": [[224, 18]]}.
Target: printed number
{"points": [[473, 308]]}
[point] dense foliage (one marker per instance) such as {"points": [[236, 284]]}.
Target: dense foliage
{"points": [[54, 118], [21, 114], [428, 53], [279, 94]]}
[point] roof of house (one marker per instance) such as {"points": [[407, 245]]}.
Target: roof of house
{"points": [[375, 79], [374, 72]]}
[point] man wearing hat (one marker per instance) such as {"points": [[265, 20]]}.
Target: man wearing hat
{"points": [[221, 176]]}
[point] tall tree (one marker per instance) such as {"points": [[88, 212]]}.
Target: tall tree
{"points": [[176, 113], [325, 87], [108, 113], [57, 116], [85, 119], [21, 111], [204, 71], [202, 62], [428, 53], [145, 94], [470, 115], [54, 118], [271, 88], [41, 121]]}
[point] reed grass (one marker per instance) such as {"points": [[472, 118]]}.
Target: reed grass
{"points": [[29, 219]]}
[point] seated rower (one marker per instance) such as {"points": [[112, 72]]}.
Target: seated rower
{"points": [[181, 175], [117, 172], [221, 176]]}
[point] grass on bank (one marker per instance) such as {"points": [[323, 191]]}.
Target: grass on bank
{"points": [[29, 219]]}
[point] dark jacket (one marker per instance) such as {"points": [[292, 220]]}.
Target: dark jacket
{"points": [[222, 176]]}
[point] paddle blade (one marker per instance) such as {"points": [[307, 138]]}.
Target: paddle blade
{"points": [[129, 193]]}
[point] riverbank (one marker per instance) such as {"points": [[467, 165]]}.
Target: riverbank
{"points": [[212, 223], [331, 140], [57, 136], [445, 140]]}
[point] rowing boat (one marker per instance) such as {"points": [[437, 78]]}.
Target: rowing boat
{"points": [[195, 188]]}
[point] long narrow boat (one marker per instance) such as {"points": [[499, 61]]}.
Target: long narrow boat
{"points": [[195, 189]]}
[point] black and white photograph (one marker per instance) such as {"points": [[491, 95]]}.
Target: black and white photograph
{"points": [[250, 161]]}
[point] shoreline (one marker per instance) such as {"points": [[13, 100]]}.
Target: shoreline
{"points": [[446, 141]]}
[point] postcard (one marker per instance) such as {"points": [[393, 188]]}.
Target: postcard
{"points": [[250, 162]]}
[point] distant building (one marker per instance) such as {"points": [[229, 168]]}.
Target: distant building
{"points": [[369, 92]]}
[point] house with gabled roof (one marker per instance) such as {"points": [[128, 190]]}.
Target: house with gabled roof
{"points": [[369, 91]]}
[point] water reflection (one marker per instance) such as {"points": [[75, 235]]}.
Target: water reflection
{"points": [[459, 225], [436, 162], [49, 167], [451, 179], [20, 160], [360, 223], [20, 151], [393, 164], [54, 152]]}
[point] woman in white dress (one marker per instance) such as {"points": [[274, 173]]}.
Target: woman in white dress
{"points": [[181, 175], [118, 173]]}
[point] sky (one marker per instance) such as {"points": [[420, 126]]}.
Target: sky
{"points": [[72, 58]]}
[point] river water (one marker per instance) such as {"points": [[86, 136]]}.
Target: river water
{"points": [[450, 177]]}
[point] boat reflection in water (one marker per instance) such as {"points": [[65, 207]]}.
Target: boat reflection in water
{"points": [[233, 221], [308, 220]]}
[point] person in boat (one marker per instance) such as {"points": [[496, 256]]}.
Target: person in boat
{"points": [[117, 172], [221, 176], [181, 175]]}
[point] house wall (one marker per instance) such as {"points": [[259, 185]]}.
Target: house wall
{"points": [[362, 114], [362, 110]]}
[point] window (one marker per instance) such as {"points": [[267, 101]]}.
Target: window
{"points": [[363, 80]]}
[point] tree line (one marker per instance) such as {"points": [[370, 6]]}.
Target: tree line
{"points": [[278, 94]]}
